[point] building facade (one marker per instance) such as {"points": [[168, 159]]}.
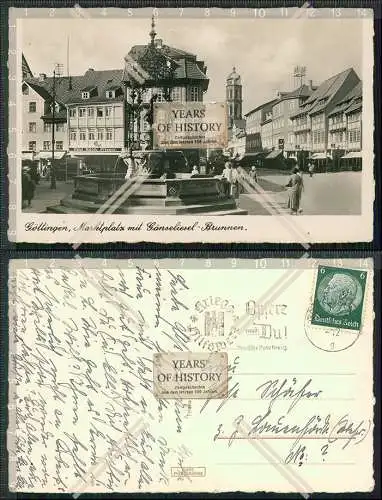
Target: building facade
{"points": [[311, 121], [95, 118], [286, 105], [345, 130], [255, 120], [100, 114], [267, 131], [37, 122], [322, 123]]}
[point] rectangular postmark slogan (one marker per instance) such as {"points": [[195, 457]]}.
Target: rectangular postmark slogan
{"points": [[338, 298], [186, 375]]}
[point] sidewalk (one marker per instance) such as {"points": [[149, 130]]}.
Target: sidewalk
{"points": [[331, 193], [275, 198], [44, 196]]}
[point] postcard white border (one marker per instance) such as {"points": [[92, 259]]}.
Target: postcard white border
{"points": [[256, 229]]}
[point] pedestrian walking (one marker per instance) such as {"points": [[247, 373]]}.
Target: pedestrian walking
{"points": [[253, 173], [311, 169], [296, 186], [27, 187]]}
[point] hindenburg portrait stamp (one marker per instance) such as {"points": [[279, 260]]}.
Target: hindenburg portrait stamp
{"points": [[334, 320], [338, 299]]}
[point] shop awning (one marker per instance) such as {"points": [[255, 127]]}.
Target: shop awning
{"points": [[274, 154], [47, 155], [319, 156], [352, 154], [27, 155], [251, 156]]}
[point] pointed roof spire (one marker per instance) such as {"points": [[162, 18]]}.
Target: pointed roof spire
{"points": [[152, 32]]}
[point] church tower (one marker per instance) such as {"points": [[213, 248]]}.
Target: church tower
{"points": [[234, 98]]}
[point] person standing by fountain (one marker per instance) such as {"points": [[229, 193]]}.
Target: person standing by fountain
{"points": [[227, 177], [195, 171], [131, 166]]}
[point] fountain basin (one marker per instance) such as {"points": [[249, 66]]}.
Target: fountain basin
{"points": [[150, 196]]}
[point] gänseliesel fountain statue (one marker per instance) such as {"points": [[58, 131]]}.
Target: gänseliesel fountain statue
{"points": [[150, 181]]}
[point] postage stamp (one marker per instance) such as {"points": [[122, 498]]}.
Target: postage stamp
{"points": [[338, 299], [186, 375], [333, 321]]}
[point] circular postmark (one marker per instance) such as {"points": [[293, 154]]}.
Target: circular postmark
{"points": [[212, 323], [329, 338]]}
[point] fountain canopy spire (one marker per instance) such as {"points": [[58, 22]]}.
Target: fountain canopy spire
{"points": [[152, 32]]}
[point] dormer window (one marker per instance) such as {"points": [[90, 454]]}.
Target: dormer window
{"points": [[110, 94], [89, 91]]}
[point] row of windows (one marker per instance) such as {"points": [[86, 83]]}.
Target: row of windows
{"points": [[176, 94], [59, 145], [318, 119], [92, 134], [302, 138], [354, 135], [337, 137], [194, 94], [318, 136], [110, 94], [336, 119], [32, 127], [277, 110], [100, 112], [60, 127], [354, 117], [292, 104], [33, 107], [301, 121], [278, 123]]}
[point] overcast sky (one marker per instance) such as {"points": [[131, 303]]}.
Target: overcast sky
{"points": [[263, 51]]}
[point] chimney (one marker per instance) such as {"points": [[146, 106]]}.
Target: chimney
{"points": [[42, 77], [158, 43], [310, 83]]}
